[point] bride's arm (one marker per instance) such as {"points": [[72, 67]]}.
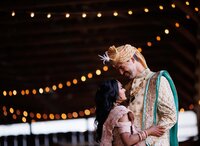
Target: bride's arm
{"points": [[129, 139]]}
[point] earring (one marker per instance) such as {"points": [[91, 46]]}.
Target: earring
{"points": [[115, 104]]}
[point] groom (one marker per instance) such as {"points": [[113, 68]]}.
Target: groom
{"points": [[152, 95]]}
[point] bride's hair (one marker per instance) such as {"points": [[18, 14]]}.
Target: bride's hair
{"points": [[106, 96]]}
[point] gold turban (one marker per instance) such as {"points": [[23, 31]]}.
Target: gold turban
{"points": [[124, 53]]}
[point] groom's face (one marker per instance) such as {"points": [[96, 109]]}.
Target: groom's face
{"points": [[127, 69]]}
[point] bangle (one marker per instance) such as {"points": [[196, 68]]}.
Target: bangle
{"points": [[146, 133], [143, 135], [140, 136]]}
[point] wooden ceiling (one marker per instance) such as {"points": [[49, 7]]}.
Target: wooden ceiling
{"points": [[38, 52]]}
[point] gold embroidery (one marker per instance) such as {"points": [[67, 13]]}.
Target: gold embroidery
{"points": [[137, 89], [142, 82]]}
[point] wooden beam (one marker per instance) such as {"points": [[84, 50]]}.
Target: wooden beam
{"points": [[185, 52], [187, 34], [24, 5], [183, 68]]}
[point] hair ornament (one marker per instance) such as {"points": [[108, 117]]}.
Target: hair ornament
{"points": [[104, 57]]}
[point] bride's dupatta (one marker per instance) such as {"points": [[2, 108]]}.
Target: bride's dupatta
{"points": [[115, 114]]}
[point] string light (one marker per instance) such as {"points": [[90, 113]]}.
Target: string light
{"points": [[44, 116], [54, 87], [14, 116], [25, 113], [158, 38], [92, 110], [5, 113], [41, 90], [87, 112], [48, 15], [75, 81], [11, 110], [83, 78], [31, 115], [60, 85], [187, 16], [67, 15], [4, 93], [4, 108], [182, 110], [13, 13], [23, 92], [68, 83], [99, 15], [69, 115], [199, 102], [63, 116], [161, 7], [98, 72], [139, 49], [187, 3], [32, 14], [149, 44], [47, 89], [18, 112], [81, 113], [57, 116], [90, 75], [130, 12], [105, 68], [34, 91], [146, 10], [74, 114], [38, 115], [23, 119], [173, 5], [177, 24], [10, 93], [27, 91], [51, 116], [115, 13], [191, 106], [14, 92], [196, 9], [84, 15], [166, 31]]}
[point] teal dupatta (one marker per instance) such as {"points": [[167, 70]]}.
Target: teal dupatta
{"points": [[174, 129]]}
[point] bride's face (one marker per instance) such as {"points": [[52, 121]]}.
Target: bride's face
{"points": [[122, 95]]}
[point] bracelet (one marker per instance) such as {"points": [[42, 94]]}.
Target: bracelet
{"points": [[146, 133], [140, 136], [143, 135]]}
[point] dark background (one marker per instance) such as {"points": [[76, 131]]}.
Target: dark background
{"points": [[40, 52]]}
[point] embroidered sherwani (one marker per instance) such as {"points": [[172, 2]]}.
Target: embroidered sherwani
{"points": [[166, 110]]}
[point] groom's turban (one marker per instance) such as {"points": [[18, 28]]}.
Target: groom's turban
{"points": [[124, 53]]}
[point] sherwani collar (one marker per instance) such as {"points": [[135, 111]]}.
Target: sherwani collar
{"points": [[143, 74]]}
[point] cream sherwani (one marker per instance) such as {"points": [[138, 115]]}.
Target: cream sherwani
{"points": [[166, 111]]}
